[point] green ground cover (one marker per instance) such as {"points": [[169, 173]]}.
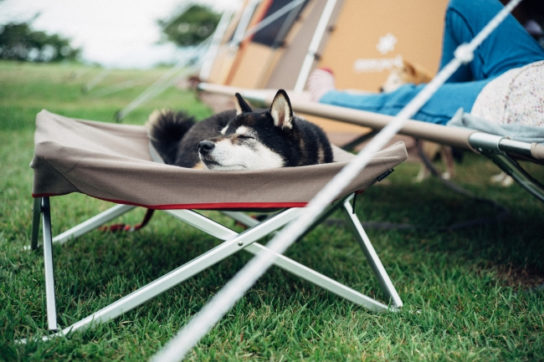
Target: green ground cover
{"points": [[470, 293]]}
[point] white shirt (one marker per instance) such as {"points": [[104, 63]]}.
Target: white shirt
{"points": [[514, 97]]}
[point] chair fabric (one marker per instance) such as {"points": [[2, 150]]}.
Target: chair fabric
{"points": [[112, 162]]}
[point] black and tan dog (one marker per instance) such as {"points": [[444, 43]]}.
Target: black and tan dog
{"points": [[240, 139], [415, 74]]}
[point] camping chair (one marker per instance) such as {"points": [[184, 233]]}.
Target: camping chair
{"points": [[113, 162], [503, 151]]}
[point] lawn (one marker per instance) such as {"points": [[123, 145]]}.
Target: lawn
{"points": [[470, 293]]}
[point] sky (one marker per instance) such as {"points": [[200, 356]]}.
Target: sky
{"points": [[114, 33]]}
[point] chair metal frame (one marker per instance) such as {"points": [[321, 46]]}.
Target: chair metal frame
{"points": [[231, 243]]}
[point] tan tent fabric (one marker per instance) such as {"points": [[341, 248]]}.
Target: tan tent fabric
{"points": [[112, 162], [353, 45], [414, 28]]}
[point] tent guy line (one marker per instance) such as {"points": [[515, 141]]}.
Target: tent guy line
{"points": [[225, 299]]}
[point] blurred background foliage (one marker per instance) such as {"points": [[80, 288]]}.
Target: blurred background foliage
{"points": [[18, 41], [190, 27]]}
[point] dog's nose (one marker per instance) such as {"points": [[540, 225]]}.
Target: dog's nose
{"points": [[205, 147]]}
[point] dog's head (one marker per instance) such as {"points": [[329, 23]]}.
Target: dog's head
{"points": [[252, 139], [403, 74]]}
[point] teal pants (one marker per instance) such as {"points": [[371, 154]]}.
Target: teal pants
{"points": [[509, 46]]}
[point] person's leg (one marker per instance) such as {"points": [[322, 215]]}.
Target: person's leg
{"points": [[513, 47], [320, 81], [508, 46], [439, 109]]}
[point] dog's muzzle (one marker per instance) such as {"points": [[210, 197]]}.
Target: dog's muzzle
{"points": [[205, 147]]}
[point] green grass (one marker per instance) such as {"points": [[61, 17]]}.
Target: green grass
{"points": [[469, 293]]}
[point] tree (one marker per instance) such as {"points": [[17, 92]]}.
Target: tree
{"points": [[19, 42], [190, 27]]}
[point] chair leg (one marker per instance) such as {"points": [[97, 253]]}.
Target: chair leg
{"points": [[242, 218], [372, 256], [221, 232], [36, 213], [48, 266], [182, 273], [513, 168], [321, 280], [92, 223], [42, 206], [498, 149], [203, 223]]}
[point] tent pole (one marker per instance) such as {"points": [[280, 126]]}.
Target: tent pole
{"points": [[218, 34], [313, 49]]}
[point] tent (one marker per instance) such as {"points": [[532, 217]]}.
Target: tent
{"points": [[359, 39], [276, 43]]}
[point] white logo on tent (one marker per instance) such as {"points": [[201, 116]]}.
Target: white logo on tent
{"points": [[386, 43], [376, 65]]}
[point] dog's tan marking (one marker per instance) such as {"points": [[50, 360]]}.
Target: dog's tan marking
{"points": [[200, 166]]}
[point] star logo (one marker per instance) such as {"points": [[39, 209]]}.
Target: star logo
{"points": [[386, 43]]}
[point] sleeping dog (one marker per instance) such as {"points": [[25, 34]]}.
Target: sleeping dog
{"points": [[240, 139]]}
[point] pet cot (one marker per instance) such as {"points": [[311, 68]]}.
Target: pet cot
{"points": [[504, 151], [113, 162]]}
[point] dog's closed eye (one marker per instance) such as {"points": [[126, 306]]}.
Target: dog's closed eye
{"points": [[245, 137]]}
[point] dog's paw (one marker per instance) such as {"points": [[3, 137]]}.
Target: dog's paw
{"points": [[502, 179], [446, 175]]}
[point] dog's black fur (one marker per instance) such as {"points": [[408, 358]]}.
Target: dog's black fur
{"points": [[181, 141], [176, 135]]}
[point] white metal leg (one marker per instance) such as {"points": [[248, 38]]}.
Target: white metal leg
{"points": [[213, 228], [321, 280], [92, 223], [183, 272], [372, 256], [203, 223], [42, 207], [36, 213], [48, 266], [242, 218]]}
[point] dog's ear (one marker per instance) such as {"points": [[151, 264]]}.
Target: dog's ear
{"points": [[409, 68], [281, 110], [241, 104]]}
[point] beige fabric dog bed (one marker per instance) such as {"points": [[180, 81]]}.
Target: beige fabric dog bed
{"points": [[112, 162]]}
